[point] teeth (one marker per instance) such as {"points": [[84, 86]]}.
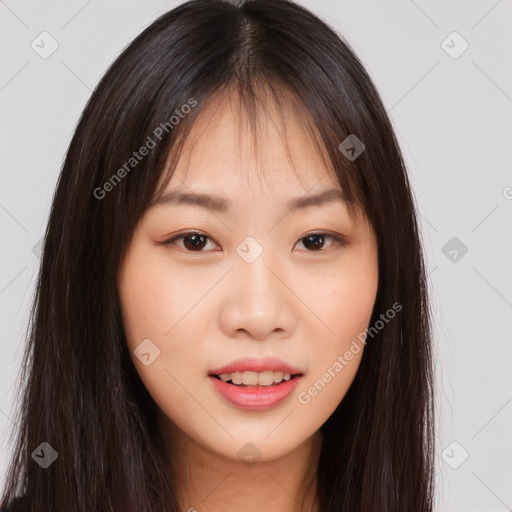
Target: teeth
{"points": [[267, 378], [278, 376], [236, 378]]}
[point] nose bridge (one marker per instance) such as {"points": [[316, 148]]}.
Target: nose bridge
{"points": [[259, 300], [259, 285]]}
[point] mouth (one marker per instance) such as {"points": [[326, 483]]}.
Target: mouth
{"points": [[246, 379], [255, 391], [256, 384]]}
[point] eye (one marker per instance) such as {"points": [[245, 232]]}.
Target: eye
{"points": [[316, 240], [195, 241]]}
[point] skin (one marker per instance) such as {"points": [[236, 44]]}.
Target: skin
{"points": [[205, 309]]}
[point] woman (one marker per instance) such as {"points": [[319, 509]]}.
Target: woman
{"points": [[231, 311]]}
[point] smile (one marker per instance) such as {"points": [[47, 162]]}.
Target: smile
{"points": [[263, 379], [255, 396]]}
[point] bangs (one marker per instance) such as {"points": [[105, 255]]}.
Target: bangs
{"points": [[256, 103]]}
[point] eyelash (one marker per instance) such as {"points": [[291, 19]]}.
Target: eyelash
{"points": [[339, 240]]}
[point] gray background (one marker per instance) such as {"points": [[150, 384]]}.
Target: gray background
{"points": [[452, 114]]}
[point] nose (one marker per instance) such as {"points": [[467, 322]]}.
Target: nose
{"points": [[259, 303]]}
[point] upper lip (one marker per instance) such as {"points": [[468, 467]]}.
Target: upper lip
{"points": [[256, 365]]}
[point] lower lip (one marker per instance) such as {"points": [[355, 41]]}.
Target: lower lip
{"points": [[253, 397]]}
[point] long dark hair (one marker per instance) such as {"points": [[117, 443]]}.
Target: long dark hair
{"points": [[80, 392]]}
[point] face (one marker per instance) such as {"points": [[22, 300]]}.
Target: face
{"points": [[247, 276]]}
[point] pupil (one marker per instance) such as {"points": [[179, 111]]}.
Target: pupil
{"points": [[315, 240], [196, 243]]}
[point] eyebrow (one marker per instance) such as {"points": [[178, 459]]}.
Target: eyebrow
{"points": [[221, 204]]}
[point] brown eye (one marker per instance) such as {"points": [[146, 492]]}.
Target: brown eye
{"points": [[192, 242], [315, 241]]}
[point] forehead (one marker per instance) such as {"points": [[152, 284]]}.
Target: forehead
{"points": [[229, 149]]}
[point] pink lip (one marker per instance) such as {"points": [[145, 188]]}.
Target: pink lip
{"points": [[255, 397], [256, 365]]}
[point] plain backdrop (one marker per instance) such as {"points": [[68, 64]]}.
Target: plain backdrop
{"points": [[444, 72]]}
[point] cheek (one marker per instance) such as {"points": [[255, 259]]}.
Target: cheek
{"points": [[154, 295], [350, 306], [343, 298], [152, 307], [344, 305], [157, 304]]}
